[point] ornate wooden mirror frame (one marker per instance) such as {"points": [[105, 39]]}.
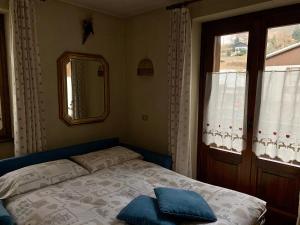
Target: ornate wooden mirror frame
{"points": [[62, 62]]}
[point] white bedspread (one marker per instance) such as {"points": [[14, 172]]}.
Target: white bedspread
{"points": [[97, 198]]}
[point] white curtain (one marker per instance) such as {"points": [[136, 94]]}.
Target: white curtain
{"points": [[179, 72], [29, 133], [224, 110], [277, 133]]}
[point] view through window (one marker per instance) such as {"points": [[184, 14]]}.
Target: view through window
{"points": [[231, 52], [283, 48]]}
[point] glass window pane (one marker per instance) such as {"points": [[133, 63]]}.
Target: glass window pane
{"points": [[230, 54], [283, 48], [277, 135], [225, 94]]}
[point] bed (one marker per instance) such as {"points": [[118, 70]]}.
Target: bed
{"points": [[96, 198]]}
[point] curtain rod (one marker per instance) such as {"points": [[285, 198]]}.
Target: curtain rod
{"points": [[181, 4]]}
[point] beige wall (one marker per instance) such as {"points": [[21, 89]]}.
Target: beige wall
{"points": [[6, 150], [147, 36], [208, 7], [3, 5], [59, 30]]}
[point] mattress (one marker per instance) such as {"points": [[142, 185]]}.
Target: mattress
{"points": [[97, 198]]}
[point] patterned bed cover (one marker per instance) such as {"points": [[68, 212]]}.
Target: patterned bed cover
{"points": [[97, 198]]}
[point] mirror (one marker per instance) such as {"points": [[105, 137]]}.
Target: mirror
{"points": [[83, 88]]}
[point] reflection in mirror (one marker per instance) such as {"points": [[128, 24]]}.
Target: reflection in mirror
{"points": [[84, 88], [83, 85]]}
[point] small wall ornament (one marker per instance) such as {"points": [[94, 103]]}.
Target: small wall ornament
{"points": [[145, 67], [87, 26]]}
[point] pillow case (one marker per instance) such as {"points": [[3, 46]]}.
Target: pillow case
{"points": [[102, 159], [37, 176], [184, 204], [143, 210], [5, 218]]}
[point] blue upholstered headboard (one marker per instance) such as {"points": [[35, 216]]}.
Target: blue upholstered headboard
{"points": [[11, 164]]}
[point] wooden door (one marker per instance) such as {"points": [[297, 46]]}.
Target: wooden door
{"points": [[230, 169], [273, 181]]}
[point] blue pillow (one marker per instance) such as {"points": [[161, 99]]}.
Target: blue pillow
{"points": [[184, 204], [143, 210], [5, 218]]}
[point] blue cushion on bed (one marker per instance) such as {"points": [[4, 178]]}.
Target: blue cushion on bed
{"points": [[143, 210], [5, 218], [184, 204]]}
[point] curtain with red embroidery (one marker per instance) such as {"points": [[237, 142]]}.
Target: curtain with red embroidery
{"points": [[224, 110], [277, 130]]}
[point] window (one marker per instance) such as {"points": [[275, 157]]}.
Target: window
{"points": [[5, 122], [250, 108], [273, 117], [231, 52]]}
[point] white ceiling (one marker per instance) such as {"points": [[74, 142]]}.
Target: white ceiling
{"points": [[122, 8]]}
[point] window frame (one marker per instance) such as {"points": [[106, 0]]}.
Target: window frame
{"points": [[248, 173], [6, 131], [209, 31], [257, 23]]}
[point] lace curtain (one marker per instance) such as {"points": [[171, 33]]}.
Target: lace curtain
{"points": [[277, 133], [277, 123], [225, 94], [179, 73], [29, 130]]}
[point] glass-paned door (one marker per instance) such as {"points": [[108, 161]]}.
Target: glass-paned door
{"points": [[224, 158], [225, 94], [249, 112]]}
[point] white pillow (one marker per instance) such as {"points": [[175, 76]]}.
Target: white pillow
{"points": [[105, 158], [37, 176]]}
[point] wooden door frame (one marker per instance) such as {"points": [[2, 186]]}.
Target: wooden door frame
{"points": [[209, 31], [260, 22], [277, 17]]}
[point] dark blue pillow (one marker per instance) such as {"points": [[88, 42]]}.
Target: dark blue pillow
{"points": [[5, 218], [184, 204], [143, 210]]}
